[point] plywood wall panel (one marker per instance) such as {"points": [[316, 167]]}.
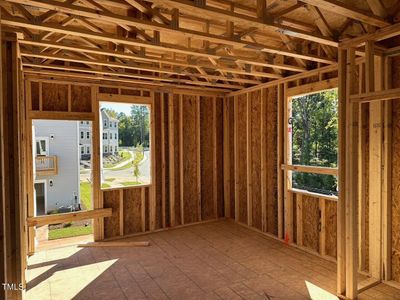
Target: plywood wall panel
{"points": [[190, 144], [311, 223], [111, 199], [81, 98], [271, 120], [206, 156], [396, 174], [331, 228], [55, 97], [35, 95], [255, 176], [132, 203], [242, 156]]}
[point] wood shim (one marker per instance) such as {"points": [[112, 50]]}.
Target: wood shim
{"points": [[115, 244]]}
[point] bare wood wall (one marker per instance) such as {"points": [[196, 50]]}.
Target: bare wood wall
{"points": [[187, 176], [251, 171]]}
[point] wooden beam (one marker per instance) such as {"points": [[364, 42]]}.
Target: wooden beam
{"points": [[226, 160], [311, 169], [341, 212], [236, 157], [121, 212], [181, 175], [153, 188], [299, 219], [377, 8], [322, 233], [351, 180], [171, 148], [163, 159], [216, 13], [249, 163], [146, 58], [376, 96], [120, 19], [263, 132], [69, 217], [344, 9], [215, 145], [280, 157], [115, 244]]}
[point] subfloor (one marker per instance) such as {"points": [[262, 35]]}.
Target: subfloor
{"points": [[216, 260]]}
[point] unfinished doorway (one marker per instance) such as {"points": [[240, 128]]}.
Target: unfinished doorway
{"points": [[40, 196]]}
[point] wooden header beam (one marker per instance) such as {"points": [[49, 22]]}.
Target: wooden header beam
{"points": [[69, 217]]}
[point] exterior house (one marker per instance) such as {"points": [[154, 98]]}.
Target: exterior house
{"points": [[109, 133], [57, 162], [85, 139], [109, 140]]}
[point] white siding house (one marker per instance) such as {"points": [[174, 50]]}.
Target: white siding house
{"points": [[56, 150]]}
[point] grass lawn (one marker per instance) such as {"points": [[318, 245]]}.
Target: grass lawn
{"points": [[105, 186], [110, 179], [129, 183], [69, 232], [124, 167], [86, 195]]}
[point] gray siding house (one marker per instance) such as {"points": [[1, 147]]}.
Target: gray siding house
{"points": [[56, 170]]}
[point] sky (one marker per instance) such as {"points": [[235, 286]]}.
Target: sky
{"points": [[118, 107]]}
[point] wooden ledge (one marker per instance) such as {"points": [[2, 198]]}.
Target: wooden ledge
{"points": [[69, 217]]}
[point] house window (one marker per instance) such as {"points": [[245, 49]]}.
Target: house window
{"points": [[82, 150], [87, 122], [133, 136], [88, 150], [42, 146], [82, 134], [88, 135], [105, 123], [81, 122], [314, 141]]}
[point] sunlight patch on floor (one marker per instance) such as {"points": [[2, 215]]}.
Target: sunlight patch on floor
{"points": [[69, 282], [317, 293]]}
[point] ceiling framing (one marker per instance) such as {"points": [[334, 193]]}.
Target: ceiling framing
{"points": [[213, 45]]}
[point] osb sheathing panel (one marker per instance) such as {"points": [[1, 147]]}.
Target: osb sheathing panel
{"points": [[271, 120], [396, 174], [220, 157], [242, 156], [190, 148], [35, 95], [255, 175], [232, 155], [54, 97], [311, 222], [111, 224], [207, 157], [81, 98], [158, 162], [331, 228], [132, 201], [177, 207]]}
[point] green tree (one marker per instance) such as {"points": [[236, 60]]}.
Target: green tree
{"points": [[137, 158], [314, 139]]}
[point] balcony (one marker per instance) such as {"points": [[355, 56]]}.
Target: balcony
{"points": [[46, 165]]}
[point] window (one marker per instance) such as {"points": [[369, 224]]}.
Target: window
{"points": [[82, 134], [88, 150], [81, 122], [87, 122], [129, 145], [42, 146], [82, 150], [88, 135], [314, 140], [105, 123]]}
